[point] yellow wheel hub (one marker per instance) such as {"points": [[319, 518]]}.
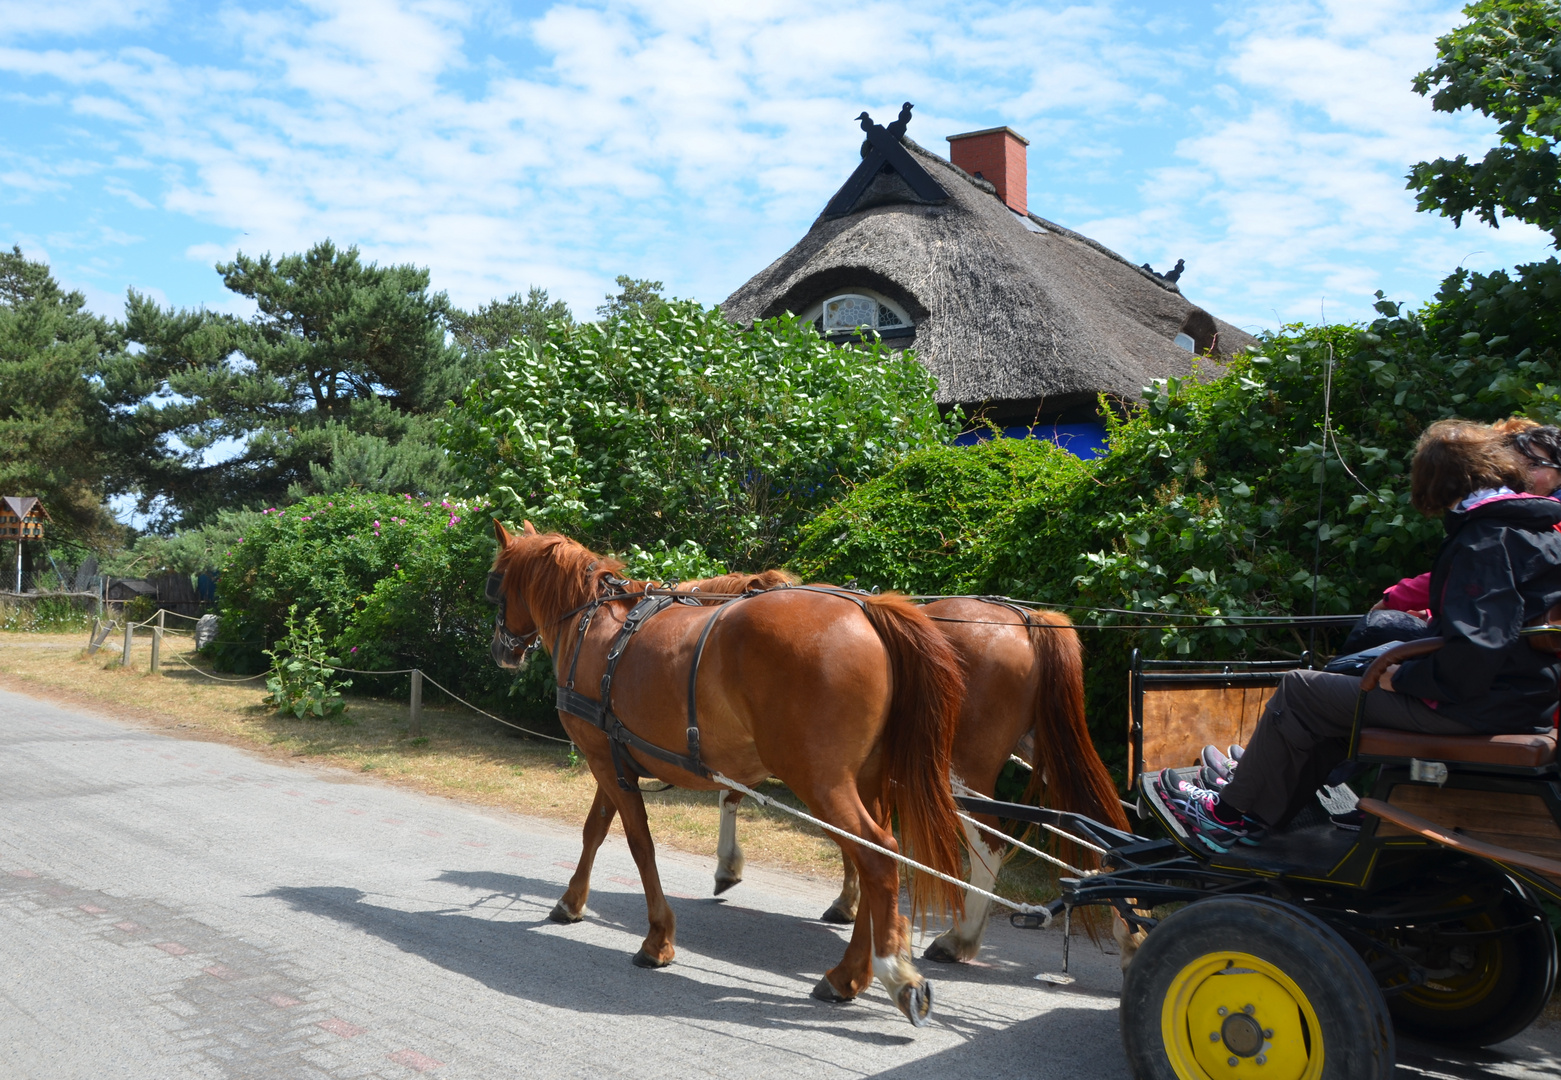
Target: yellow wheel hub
{"points": [[1230, 1015]]}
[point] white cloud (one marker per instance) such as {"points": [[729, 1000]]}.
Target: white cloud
{"points": [[1295, 201], [693, 141], [73, 18]]}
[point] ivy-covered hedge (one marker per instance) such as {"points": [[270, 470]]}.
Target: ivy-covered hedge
{"points": [[1208, 503]]}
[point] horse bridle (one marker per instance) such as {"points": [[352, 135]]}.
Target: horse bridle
{"points": [[525, 644]]}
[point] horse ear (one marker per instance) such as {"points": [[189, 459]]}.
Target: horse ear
{"points": [[501, 533], [528, 529]]}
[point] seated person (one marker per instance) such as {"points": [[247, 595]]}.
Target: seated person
{"points": [[1499, 568], [1402, 614]]}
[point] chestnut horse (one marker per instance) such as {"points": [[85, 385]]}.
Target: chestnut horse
{"points": [[849, 700], [1024, 690]]}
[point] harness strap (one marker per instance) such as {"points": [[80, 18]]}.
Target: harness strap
{"points": [[600, 714], [693, 680]]}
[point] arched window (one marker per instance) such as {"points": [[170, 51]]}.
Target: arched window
{"points": [[850, 313]]}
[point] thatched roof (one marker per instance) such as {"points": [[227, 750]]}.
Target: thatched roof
{"points": [[1014, 311]]}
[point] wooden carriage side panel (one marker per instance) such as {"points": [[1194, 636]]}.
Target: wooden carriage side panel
{"points": [[1180, 720], [1521, 822]]}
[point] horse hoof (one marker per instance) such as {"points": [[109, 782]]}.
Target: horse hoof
{"points": [[940, 953], [723, 883], [825, 991], [561, 914], [837, 914], [644, 959], [915, 1001]]}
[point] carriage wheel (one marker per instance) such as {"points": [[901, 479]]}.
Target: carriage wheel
{"points": [[1484, 986], [1248, 987]]}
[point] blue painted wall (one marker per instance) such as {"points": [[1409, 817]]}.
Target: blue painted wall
{"points": [[1087, 441]]}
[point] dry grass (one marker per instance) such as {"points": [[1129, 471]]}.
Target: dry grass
{"points": [[461, 755]]}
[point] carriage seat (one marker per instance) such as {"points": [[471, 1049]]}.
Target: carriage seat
{"points": [[1525, 751]]}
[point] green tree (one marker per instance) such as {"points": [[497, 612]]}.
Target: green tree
{"points": [[681, 426], [332, 384], [1504, 62], [495, 324], [52, 420], [635, 297]]}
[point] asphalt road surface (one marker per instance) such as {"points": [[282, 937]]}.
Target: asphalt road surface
{"points": [[174, 909]]}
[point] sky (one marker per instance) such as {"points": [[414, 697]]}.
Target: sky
{"points": [[559, 145]]}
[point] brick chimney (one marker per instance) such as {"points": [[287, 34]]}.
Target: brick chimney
{"points": [[996, 155]]}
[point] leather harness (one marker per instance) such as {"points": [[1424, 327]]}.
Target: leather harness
{"points": [[599, 713]]}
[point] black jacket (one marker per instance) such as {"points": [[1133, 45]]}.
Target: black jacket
{"points": [[1499, 568]]}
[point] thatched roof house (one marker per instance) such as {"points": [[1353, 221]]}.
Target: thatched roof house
{"points": [[1016, 316]]}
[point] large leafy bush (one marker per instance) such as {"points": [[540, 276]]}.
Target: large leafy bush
{"points": [[393, 582], [677, 425], [1208, 503]]}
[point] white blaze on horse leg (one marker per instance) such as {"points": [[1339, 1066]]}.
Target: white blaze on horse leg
{"points": [[894, 972], [728, 854], [963, 940]]}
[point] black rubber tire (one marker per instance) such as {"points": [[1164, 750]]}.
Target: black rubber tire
{"points": [[1352, 1019], [1515, 976]]}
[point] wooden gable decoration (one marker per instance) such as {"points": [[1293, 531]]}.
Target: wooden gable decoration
{"points": [[21, 517]]}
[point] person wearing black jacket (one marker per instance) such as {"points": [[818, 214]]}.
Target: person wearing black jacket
{"points": [[1498, 568]]}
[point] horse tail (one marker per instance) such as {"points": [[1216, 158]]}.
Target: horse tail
{"points": [[929, 684], [1068, 771]]}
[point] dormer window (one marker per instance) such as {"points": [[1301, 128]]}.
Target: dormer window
{"points": [[850, 312], [856, 312]]}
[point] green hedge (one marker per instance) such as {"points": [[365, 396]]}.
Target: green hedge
{"points": [[680, 426], [1207, 504], [394, 581]]}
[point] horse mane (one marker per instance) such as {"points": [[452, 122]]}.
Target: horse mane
{"points": [[573, 579], [725, 586]]}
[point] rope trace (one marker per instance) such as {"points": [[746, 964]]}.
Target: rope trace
{"points": [[764, 800]]}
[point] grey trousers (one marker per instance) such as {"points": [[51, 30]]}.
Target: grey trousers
{"points": [[1305, 731]]}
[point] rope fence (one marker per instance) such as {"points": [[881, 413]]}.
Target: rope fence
{"points": [[101, 631]]}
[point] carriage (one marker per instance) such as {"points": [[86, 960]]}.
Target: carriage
{"points": [[1299, 957], [1294, 959]]}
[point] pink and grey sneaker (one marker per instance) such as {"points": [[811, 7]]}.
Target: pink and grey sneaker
{"points": [[1194, 809], [1217, 764]]}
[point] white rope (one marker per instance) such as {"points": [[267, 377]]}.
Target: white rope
{"points": [[962, 789], [490, 716], [1037, 852], [762, 800], [217, 678]]}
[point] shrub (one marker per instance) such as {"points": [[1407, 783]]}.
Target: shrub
{"points": [[392, 581], [678, 426], [303, 678], [1207, 504]]}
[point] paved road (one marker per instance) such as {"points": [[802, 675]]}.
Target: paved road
{"points": [[173, 909]]}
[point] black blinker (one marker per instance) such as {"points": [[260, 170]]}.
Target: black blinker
{"points": [[494, 591]]}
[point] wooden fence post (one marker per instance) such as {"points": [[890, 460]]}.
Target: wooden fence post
{"points": [[92, 637], [124, 659], [415, 725], [157, 643]]}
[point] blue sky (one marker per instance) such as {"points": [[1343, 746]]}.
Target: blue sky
{"points": [[510, 145]]}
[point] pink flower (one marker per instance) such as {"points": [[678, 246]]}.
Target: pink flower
{"points": [[396, 566], [376, 523], [354, 648]]}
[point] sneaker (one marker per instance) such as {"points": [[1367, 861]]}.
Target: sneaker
{"points": [[1349, 821], [1210, 779], [1234, 752], [1217, 763], [1194, 808]]}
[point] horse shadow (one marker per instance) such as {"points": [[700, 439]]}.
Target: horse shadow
{"points": [[532, 959]]}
